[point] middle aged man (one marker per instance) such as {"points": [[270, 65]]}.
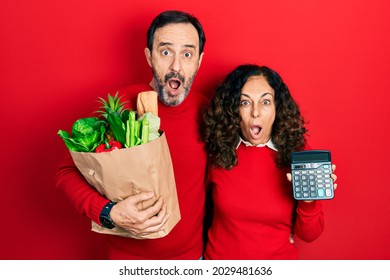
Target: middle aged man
{"points": [[175, 42]]}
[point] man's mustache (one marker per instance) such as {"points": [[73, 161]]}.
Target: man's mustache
{"points": [[173, 75]]}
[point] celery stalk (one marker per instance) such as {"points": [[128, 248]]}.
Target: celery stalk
{"points": [[145, 131], [127, 144], [132, 128], [137, 130]]}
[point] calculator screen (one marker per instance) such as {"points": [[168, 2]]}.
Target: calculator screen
{"points": [[311, 156]]}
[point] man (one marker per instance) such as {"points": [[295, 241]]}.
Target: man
{"points": [[175, 43]]}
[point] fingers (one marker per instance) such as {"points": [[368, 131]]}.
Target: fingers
{"points": [[289, 176], [154, 209], [145, 221], [142, 216], [142, 196], [157, 223], [291, 238], [151, 225], [334, 176]]}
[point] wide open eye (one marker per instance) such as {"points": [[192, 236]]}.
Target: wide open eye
{"points": [[187, 54], [266, 102], [165, 52], [245, 103]]}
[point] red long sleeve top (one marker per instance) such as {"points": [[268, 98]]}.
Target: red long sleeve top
{"points": [[180, 124], [254, 210]]}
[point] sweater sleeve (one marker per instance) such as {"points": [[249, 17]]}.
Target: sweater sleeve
{"points": [[85, 198], [309, 223]]}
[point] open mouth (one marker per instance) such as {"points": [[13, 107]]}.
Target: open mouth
{"points": [[174, 80], [174, 84], [255, 131]]}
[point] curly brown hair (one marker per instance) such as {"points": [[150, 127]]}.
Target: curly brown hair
{"points": [[221, 127]]}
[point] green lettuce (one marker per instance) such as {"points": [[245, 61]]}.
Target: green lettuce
{"points": [[87, 134]]}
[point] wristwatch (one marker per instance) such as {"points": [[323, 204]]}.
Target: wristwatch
{"points": [[105, 218]]}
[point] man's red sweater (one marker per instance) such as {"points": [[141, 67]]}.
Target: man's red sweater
{"points": [[254, 210], [180, 124]]}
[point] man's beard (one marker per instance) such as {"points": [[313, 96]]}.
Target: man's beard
{"points": [[164, 95]]}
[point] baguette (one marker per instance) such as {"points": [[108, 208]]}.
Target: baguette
{"points": [[147, 102]]}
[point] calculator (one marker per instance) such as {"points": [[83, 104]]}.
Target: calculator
{"points": [[310, 175]]}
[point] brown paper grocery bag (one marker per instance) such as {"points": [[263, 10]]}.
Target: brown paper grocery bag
{"points": [[124, 172]]}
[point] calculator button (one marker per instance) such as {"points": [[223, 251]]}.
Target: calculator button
{"points": [[328, 192], [321, 193]]}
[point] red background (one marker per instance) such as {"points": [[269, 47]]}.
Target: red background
{"points": [[57, 57]]}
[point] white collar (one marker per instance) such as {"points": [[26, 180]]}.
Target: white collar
{"points": [[269, 144]]}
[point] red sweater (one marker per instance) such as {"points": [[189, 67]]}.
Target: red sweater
{"points": [[254, 210], [189, 163]]}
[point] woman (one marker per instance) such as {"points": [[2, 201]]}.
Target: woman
{"points": [[251, 127]]}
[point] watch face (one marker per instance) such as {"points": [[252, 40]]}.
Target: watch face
{"points": [[107, 222], [105, 219]]}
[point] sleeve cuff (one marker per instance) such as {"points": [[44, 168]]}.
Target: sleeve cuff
{"points": [[97, 207], [309, 208]]}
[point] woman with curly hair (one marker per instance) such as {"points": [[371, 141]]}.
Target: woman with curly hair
{"points": [[251, 127]]}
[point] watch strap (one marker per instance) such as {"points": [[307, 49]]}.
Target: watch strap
{"points": [[105, 218]]}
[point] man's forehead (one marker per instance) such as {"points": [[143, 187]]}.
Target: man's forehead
{"points": [[183, 34]]}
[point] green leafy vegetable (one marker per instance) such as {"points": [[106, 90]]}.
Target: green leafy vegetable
{"points": [[87, 134], [115, 123], [117, 126]]}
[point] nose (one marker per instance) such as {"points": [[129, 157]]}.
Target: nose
{"points": [[255, 111], [176, 64]]}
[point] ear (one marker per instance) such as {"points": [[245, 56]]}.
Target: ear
{"points": [[148, 56], [200, 59]]}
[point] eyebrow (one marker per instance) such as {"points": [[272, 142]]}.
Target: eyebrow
{"points": [[264, 94], [161, 44]]}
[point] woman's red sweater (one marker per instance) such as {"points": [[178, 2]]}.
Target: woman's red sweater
{"points": [[254, 210]]}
